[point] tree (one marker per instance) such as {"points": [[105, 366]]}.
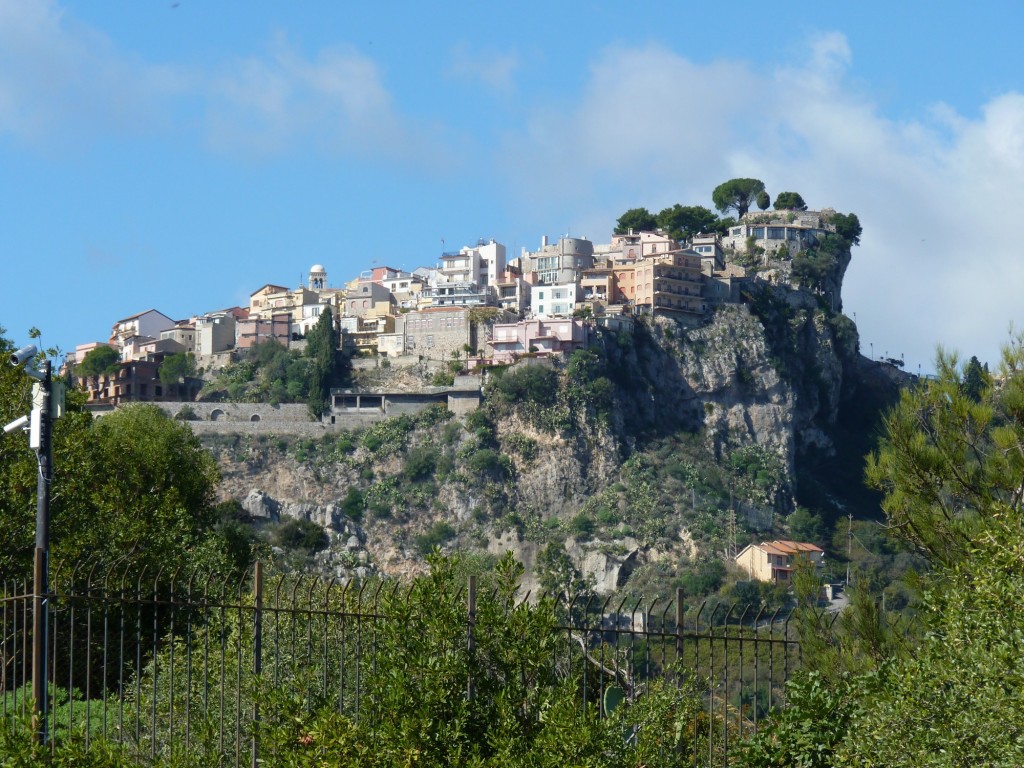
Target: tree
{"points": [[952, 470], [848, 227], [737, 195], [763, 200], [322, 347], [175, 368], [804, 525], [976, 380], [99, 360], [636, 219], [682, 222], [789, 201], [946, 461]]}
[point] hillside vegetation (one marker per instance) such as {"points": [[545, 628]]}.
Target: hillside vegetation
{"points": [[641, 464]]}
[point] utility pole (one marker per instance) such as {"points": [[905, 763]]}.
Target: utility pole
{"points": [[849, 547], [732, 533]]}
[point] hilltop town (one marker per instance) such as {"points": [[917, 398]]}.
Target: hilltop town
{"points": [[472, 308]]}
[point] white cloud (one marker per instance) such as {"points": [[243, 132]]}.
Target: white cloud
{"points": [[939, 260], [60, 80], [495, 70], [337, 101], [269, 101], [63, 81]]}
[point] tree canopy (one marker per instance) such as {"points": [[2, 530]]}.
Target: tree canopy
{"points": [[682, 222], [952, 471], [736, 195], [789, 201], [135, 481], [177, 367], [763, 200], [99, 360], [848, 227], [947, 460], [327, 362], [636, 219]]}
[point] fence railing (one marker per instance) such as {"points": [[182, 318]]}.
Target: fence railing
{"points": [[167, 664]]}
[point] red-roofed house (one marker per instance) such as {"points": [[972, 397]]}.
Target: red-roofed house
{"points": [[775, 561]]}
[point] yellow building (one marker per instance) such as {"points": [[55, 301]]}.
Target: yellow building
{"points": [[775, 561]]}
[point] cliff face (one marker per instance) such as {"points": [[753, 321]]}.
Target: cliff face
{"points": [[764, 380]]}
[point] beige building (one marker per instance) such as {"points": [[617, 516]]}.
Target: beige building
{"points": [[215, 332], [287, 301], [775, 561], [258, 300], [366, 298], [184, 332], [639, 245], [672, 281], [599, 285]]}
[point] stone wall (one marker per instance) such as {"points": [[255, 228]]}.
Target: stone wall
{"points": [[242, 412]]}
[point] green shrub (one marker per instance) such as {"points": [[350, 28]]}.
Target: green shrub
{"points": [[438, 534], [420, 464], [526, 384], [353, 504], [302, 534]]}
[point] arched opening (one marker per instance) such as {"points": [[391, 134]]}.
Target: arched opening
{"points": [[254, 417], [216, 414]]}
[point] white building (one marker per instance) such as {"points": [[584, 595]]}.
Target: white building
{"points": [[555, 300]]}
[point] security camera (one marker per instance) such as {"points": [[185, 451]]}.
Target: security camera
{"points": [[19, 423], [23, 355]]}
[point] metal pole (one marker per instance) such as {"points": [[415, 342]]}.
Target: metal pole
{"points": [[471, 625], [257, 658], [40, 600]]}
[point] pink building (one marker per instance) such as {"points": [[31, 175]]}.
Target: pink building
{"points": [[542, 336]]}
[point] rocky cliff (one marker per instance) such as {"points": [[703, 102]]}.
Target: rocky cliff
{"points": [[638, 453]]}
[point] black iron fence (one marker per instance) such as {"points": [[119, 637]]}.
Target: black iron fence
{"points": [[167, 665]]}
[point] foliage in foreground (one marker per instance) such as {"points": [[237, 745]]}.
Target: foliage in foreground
{"points": [[502, 695], [947, 694]]}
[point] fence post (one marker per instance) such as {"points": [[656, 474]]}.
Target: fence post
{"points": [[471, 623], [679, 631], [257, 655], [39, 627]]}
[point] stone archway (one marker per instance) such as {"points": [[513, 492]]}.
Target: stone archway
{"points": [[216, 414]]}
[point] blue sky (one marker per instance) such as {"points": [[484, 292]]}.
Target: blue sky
{"points": [[180, 154]]}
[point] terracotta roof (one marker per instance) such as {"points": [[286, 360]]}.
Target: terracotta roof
{"points": [[782, 547]]}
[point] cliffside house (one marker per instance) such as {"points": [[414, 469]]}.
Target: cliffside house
{"points": [[775, 561], [545, 337]]}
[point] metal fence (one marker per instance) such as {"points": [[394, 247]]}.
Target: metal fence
{"points": [[168, 665]]}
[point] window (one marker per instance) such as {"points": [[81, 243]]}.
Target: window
{"points": [[430, 340], [541, 296]]}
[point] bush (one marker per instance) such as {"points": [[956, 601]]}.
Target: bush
{"points": [[420, 464], [302, 534], [353, 504], [439, 533], [486, 463], [526, 384]]}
